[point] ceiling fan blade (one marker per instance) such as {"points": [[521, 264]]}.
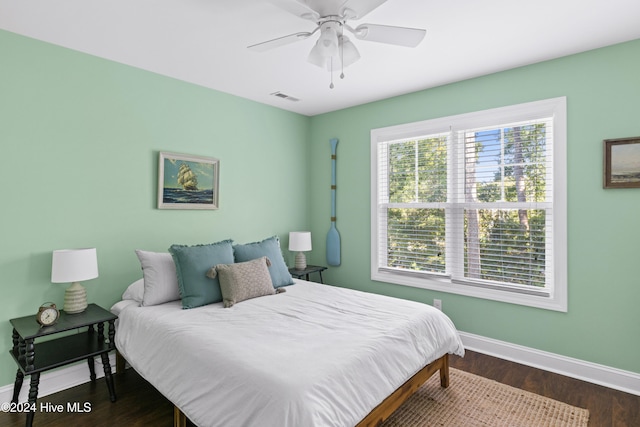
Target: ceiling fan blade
{"points": [[280, 41], [401, 36], [298, 8], [356, 9]]}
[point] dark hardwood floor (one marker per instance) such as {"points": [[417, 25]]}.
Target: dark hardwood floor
{"points": [[139, 404]]}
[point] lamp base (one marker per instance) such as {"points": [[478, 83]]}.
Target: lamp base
{"points": [[75, 299], [301, 261]]}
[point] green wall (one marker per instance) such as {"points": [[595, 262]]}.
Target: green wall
{"points": [[602, 88], [79, 141]]}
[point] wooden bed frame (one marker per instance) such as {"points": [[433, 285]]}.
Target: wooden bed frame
{"points": [[379, 413], [398, 397]]}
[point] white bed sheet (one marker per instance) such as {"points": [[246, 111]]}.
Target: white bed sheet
{"points": [[315, 355]]}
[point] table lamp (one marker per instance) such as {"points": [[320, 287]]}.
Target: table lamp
{"points": [[74, 265], [300, 241]]}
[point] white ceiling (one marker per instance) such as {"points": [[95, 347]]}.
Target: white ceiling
{"points": [[204, 42]]}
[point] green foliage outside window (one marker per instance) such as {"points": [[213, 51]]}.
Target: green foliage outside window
{"points": [[499, 165]]}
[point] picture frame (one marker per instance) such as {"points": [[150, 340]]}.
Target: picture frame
{"points": [[622, 163], [188, 182]]}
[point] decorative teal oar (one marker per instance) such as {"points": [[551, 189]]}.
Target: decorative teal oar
{"points": [[333, 237]]}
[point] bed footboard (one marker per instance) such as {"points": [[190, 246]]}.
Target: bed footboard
{"points": [[389, 405], [398, 397]]}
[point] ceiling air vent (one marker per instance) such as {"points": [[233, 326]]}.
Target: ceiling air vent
{"points": [[285, 96]]}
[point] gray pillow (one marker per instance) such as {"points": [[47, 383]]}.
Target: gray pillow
{"points": [[160, 279], [243, 280]]}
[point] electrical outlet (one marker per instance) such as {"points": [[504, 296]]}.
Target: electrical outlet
{"points": [[437, 303]]}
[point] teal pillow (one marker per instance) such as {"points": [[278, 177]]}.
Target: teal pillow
{"points": [[271, 249], [192, 264]]}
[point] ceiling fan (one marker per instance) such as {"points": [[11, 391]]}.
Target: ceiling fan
{"points": [[333, 49]]}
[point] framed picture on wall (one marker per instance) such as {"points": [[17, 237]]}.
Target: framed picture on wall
{"points": [[187, 182], [622, 163]]}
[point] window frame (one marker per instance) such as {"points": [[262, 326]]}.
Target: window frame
{"points": [[555, 297]]}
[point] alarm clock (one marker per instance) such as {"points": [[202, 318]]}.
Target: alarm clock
{"points": [[48, 314]]}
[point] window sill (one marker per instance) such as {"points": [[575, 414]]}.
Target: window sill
{"points": [[553, 302]]}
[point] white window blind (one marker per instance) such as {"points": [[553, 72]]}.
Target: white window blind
{"points": [[413, 180], [469, 202]]}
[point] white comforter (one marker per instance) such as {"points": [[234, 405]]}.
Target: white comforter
{"points": [[315, 355]]}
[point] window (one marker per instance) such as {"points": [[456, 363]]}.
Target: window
{"points": [[474, 204]]}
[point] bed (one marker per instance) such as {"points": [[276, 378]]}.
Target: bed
{"points": [[315, 355], [231, 339]]}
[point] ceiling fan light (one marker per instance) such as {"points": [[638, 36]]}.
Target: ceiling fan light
{"points": [[350, 53], [328, 41], [325, 48], [316, 58]]}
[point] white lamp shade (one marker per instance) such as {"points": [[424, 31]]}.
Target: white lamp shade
{"points": [[325, 48], [74, 265], [300, 241], [350, 53]]}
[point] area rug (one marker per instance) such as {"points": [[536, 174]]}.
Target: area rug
{"points": [[471, 400]]}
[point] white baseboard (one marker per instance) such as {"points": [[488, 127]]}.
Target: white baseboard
{"points": [[629, 382], [58, 380], [626, 381]]}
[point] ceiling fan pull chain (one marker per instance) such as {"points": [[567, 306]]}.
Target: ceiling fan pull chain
{"points": [[341, 41]]}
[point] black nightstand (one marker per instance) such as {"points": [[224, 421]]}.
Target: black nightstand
{"points": [[32, 358], [299, 274]]}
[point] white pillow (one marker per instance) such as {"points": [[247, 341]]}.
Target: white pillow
{"points": [[120, 306], [134, 291], [160, 279]]}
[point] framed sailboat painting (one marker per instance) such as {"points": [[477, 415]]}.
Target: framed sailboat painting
{"points": [[187, 182]]}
